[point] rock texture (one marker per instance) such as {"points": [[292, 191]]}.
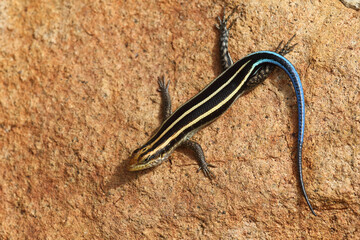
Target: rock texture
{"points": [[78, 95], [355, 4]]}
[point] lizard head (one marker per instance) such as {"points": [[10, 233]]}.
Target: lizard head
{"points": [[142, 158]]}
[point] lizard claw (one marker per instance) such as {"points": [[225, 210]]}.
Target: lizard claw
{"points": [[205, 169], [223, 22], [287, 47], [163, 86]]}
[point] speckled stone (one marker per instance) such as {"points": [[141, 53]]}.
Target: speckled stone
{"points": [[355, 4], [78, 93]]}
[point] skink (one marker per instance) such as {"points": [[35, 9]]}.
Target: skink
{"points": [[213, 101]]}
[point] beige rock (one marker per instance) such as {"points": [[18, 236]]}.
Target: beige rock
{"points": [[78, 95], [355, 4]]}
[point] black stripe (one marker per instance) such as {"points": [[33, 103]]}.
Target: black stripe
{"points": [[203, 122], [205, 107], [213, 86]]}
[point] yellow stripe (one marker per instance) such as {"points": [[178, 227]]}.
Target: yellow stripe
{"points": [[187, 102], [200, 103], [205, 114]]}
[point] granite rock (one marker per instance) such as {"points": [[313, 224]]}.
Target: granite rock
{"points": [[78, 93]]}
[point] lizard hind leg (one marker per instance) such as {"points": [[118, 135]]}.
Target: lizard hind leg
{"points": [[267, 69]]}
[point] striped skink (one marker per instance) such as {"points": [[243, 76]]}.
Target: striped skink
{"points": [[205, 107]]}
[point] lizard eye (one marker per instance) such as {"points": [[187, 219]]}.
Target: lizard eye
{"points": [[146, 160]]}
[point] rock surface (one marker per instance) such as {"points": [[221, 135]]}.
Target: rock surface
{"points": [[78, 95], [355, 4]]}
